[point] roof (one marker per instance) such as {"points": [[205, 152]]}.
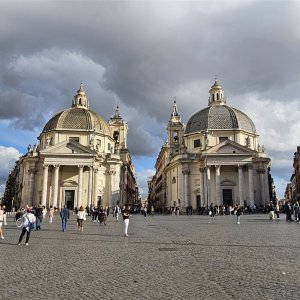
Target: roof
{"points": [[219, 117], [77, 118]]}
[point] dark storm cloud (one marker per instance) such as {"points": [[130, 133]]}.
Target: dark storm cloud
{"points": [[142, 54], [148, 52]]}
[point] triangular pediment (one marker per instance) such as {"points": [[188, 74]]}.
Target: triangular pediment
{"points": [[230, 147], [66, 147]]}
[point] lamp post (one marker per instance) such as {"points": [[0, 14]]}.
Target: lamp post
{"points": [[205, 164]]}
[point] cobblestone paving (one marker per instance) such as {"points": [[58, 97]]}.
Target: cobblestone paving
{"points": [[164, 257]]}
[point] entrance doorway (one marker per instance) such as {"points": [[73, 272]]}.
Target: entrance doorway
{"points": [[227, 197], [69, 198], [99, 202], [198, 200]]}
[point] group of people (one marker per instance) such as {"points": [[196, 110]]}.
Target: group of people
{"points": [[236, 210], [32, 218], [293, 210]]}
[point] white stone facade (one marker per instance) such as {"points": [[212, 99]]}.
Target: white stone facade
{"points": [[214, 159], [77, 161]]}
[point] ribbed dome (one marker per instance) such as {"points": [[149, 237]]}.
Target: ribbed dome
{"points": [[219, 117], [77, 118]]}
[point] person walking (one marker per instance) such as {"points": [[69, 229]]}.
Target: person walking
{"points": [[39, 217], [81, 216], [152, 211], [117, 211], [4, 215], [289, 212], [211, 213], [102, 215], [51, 214], [238, 214], [126, 214], [65, 215], [1, 222], [277, 209], [44, 212], [28, 220]]}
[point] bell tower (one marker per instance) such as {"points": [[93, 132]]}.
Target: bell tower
{"points": [[119, 129], [175, 131]]}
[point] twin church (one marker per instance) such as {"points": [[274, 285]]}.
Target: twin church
{"points": [[214, 159], [82, 159]]}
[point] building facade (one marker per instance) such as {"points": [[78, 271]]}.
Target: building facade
{"points": [[80, 159], [214, 159], [292, 192]]}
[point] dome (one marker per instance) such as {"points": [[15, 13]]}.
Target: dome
{"points": [[77, 118], [219, 117]]}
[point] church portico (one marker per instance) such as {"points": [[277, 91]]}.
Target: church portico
{"points": [[83, 179], [236, 180]]}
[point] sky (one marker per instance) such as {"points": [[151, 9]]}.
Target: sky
{"points": [[140, 55]]}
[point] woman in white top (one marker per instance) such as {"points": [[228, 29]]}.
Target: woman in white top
{"points": [[28, 220], [51, 213], [80, 217]]}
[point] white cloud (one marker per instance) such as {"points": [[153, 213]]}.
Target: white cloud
{"points": [[143, 175]]}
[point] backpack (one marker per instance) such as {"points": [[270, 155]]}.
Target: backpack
{"points": [[30, 224]]}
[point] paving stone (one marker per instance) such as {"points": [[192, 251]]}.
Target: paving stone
{"points": [[164, 257]]}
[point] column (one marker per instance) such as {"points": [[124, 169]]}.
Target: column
{"points": [[55, 188], [80, 181], [208, 186], [186, 201], [45, 185], [251, 191], [202, 193], [266, 186], [90, 185], [241, 185], [95, 187], [31, 185], [261, 172], [111, 187], [218, 186]]}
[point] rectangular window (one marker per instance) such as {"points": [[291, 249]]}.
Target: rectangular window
{"points": [[223, 139], [197, 143], [74, 138]]}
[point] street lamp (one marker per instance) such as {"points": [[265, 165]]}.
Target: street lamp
{"points": [[205, 164]]}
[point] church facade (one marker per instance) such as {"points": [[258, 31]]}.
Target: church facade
{"points": [[80, 159], [214, 159]]}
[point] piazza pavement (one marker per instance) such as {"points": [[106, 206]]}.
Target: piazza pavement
{"points": [[164, 257]]}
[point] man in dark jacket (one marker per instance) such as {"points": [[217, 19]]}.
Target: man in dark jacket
{"points": [[39, 217]]}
